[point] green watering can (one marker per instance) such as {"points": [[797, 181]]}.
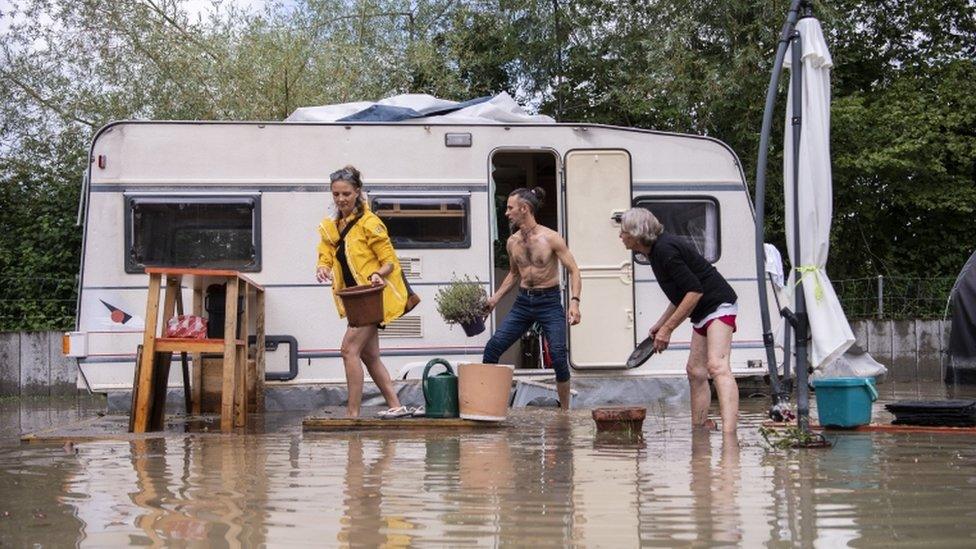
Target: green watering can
{"points": [[440, 391]]}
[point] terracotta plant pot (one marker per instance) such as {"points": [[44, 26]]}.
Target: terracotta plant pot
{"points": [[628, 419], [484, 391], [363, 305]]}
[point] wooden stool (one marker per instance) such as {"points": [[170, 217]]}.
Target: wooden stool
{"points": [[153, 361]]}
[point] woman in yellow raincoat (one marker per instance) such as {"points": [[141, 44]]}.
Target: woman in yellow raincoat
{"points": [[355, 249]]}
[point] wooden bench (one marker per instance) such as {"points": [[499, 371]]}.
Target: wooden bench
{"points": [[153, 361]]}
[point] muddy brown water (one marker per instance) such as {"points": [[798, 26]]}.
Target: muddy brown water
{"points": [[547, 480]]}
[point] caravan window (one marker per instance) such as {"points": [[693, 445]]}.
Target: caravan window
{"points": [[694, 219], [425, 222], [206, 232]]}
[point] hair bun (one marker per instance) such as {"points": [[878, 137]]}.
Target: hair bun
{"points": [[539, 193]]}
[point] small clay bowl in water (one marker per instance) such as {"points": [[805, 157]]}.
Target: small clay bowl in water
{"points": [[619, 418]]}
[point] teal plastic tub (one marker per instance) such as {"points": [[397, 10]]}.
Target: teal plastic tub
{"points": [[845, 401]]}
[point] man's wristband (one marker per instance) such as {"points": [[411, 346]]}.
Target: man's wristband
{"points": [[574, 298]]}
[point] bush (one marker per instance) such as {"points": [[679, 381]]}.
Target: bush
{"points": [[462, 302]]}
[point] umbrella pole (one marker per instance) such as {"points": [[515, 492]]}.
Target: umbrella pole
{"points": [[780, 394], [802, 328]]}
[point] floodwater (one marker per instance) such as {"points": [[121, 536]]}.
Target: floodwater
{"points": [[544, 481]]}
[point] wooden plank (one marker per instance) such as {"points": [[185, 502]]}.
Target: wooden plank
{"points": [[55, 433], [176, 344], [111, 427], [184, 362], [240, 369], [328, 424], [191, 272], [203, 273], [240, 393], [250, 282], [196, 384], [135, 389], [259, 353], [157, 413], [143, 401], [228, 391], [882, 428], [169, 302], [932, 429]]}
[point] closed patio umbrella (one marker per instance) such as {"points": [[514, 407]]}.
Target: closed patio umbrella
{"points": [[830, 332]]}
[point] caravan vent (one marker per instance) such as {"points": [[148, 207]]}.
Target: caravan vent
{"points": [[410, 266], [405, 326]]}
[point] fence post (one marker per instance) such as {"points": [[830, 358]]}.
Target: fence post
{"points": [[880, 297]]}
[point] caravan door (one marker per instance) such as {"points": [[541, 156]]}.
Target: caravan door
{"points": [[598, 187]]}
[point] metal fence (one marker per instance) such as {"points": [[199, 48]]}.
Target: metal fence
{"points": [[894, 297]]}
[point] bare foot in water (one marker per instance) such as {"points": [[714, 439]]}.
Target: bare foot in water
{"points": [[707, 425]]}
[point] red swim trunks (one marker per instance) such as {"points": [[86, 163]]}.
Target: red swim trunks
{"points": [[727, 319]]}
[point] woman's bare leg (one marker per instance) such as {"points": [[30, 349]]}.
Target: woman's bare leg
{"points": [[352, 347], [720, 369], [381, 377], [701, 394]]}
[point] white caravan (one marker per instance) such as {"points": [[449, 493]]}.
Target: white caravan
{"points": [[249, 196]]}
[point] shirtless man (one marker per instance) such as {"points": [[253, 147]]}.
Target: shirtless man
{"points": [[534, 254]]}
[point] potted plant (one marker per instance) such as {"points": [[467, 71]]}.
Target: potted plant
{"points": [[463, 302]]}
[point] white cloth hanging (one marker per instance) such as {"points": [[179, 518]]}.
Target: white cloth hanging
{"points": [[831, 333]]}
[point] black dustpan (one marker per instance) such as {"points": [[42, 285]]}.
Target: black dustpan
{"points": [[643, 352]]}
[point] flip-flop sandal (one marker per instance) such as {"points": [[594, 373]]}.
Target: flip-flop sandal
{"points": [[396, 413]]}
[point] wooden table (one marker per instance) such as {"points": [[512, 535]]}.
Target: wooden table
{"points": [[153, 363]]}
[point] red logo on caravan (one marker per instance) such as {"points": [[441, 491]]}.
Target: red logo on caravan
{"points": [[117, 315]]}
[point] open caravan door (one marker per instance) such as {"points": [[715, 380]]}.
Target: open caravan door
{"points": [[598, 188]]}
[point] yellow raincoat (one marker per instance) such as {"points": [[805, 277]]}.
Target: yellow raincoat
{"points": [[368, 247]]}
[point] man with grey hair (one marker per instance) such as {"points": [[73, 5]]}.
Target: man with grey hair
{"points": [[696, 290]]}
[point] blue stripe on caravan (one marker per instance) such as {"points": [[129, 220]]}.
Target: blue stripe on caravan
{"points": [[746, 279], [684, 187], [313, 285], [389, 352], [687, 346], [433, 351], [412, 283], [116, 288], [116, 359], [313, 188], [440, 283]]}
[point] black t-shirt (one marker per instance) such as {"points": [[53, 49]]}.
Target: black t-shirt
{"points": [[348, 279], [679, 269]]}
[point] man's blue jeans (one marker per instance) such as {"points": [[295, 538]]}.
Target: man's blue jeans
{"points": [[533, 305]]}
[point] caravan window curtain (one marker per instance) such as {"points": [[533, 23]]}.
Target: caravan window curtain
{"points": [[425, 221], [205, 232]]}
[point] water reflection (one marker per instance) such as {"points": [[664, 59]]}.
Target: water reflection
{"points": [[715, 488], [366, 520], [180, 491], [545, 480]]}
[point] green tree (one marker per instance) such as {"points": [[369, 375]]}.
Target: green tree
{"points": [[903, 127]]}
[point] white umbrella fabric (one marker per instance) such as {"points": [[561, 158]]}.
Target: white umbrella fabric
{"points": [[830, 331]]}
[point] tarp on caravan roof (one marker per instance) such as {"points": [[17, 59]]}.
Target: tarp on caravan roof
{"points": [[500, 109], [962, 337]]}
